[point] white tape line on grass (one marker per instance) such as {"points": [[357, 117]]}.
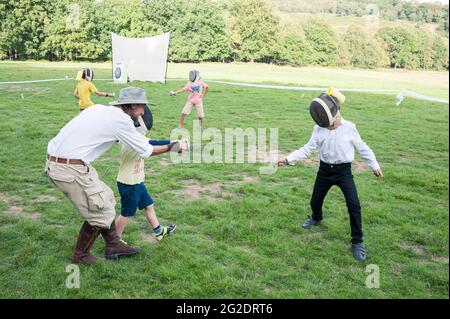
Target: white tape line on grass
{"points": [[300, 88], [36, 81], [424, 97], [270, 86]]}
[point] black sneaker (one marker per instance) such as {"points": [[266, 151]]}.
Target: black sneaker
{"points": [[310, 223], [359, 251]]}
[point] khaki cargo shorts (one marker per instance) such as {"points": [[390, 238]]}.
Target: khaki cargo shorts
{"points": [[198, 107], [94, 199]]}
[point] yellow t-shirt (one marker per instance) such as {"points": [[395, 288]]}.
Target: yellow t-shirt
{"points": [[131, 170], [84, 90]]}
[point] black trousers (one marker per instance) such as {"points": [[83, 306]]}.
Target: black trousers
{"points": [[341, 176]]}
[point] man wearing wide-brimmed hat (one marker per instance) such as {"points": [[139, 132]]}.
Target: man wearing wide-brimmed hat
{"points": [[69, 158]]}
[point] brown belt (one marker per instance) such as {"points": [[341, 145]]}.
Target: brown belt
{"points": [[65, 160]]}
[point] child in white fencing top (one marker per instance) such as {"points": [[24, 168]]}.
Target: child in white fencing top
{"points": [[336, 140]]}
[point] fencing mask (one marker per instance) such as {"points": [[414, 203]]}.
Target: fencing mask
{"points": [[194, 75], [145, 122], [323, 109], [88, 74]]}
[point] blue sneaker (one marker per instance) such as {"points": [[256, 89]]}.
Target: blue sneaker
{"points": [[310, 223], [166, 230], [359, 251]]}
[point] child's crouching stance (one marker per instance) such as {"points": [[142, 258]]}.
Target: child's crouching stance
{"points": [[336, 140]]}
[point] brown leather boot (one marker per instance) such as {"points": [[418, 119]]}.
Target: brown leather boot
{"points": [[86, 238], [114, 247]]}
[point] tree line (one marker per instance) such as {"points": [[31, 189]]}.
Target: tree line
{"points": [[428, 12], [206, 30]]}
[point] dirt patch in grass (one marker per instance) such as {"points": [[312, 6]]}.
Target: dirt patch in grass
{"points": [[164, 161], [440, 259], [418, 249], [22, 88], [194, 190], [244, 180], [9, 198], [268, 288], [394, 269], [19, 210], [44, 198], [15, 209], [246, 249], [149, 238]]}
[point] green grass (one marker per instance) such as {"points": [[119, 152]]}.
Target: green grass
{"points": [[425, 82], [247, 242]]}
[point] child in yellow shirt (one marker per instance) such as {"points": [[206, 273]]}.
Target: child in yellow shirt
{"points": [[130, 181], [85, 88]]}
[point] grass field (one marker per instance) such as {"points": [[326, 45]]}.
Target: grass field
{"points": [[239, 233], [425, 82]]}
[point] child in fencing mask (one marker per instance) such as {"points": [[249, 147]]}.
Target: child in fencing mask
{"points": [[197, 91], [85, 88], [336, 140]]}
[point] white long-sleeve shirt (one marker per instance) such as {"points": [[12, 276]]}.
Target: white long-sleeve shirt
{"points": [[336, 146], [94, 131]]}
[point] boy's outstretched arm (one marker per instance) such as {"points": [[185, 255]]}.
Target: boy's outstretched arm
{"points": [[157, 150], [105, 94], [302, 153], [164, 146], [366, 153]]}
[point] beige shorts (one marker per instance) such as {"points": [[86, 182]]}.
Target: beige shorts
{"points": [[94, 199], [198, 107]]}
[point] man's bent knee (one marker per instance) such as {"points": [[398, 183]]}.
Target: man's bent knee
{"points": [[103, 219]]}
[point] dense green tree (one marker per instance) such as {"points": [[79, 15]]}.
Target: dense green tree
{"points": [[440, 54], [197, 28], [73, 32], [363, 51], [254, 30], [401, 46], [293, 49], [224, 30], [424, 49], [322, 40], [22, 26]]}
